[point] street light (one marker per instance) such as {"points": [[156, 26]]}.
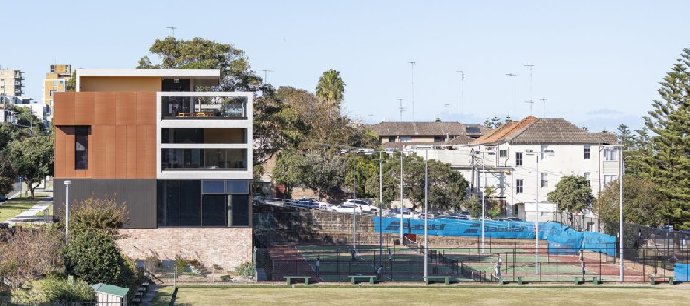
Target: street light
{"points": [[621, 173], [67, 183], [380, 209]]}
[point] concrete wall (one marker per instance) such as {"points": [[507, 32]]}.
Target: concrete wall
{"points": [[226, 247]]}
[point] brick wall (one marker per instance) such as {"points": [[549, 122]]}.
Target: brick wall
{"points": [[226, 247]]}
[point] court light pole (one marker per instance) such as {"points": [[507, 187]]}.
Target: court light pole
{"points": [[401, 197], [67, 183], [483, 199], [380, 208], [620, 212], [426, 215], [536, 205]]}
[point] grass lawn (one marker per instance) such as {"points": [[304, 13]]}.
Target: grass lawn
{"points": [[437, 295], [13, 207]]}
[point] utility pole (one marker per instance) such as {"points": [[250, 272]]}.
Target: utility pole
{"points": [[426, 216], [462, 81], [412, 64], [401, 196], [380, 208]]}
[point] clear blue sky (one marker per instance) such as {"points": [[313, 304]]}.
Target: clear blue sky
{"points": [[597, 62]]}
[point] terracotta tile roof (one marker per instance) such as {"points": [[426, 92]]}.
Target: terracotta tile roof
{"points": [[533, 130], [507, 129], [451, 129]]}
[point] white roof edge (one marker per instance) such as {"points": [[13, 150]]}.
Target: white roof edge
{"points": [[195, 73]]}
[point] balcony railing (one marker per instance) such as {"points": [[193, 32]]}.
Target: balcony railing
{"points": [[203, 107]]}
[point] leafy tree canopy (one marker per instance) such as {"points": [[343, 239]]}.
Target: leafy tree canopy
{"points": [[573, 194], [643, 203]]}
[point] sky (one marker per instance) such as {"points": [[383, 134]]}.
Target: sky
{"points": [[597, 63]]}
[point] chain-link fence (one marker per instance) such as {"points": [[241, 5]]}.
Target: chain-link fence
{"points": [[330, 263]]}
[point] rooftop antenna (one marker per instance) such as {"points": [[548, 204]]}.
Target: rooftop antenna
{"points": [[401, 108], [512, 75], [172, 28], [543, 100], [462, 81], [412, 65], [531, 103], [531, 99], [266, 71]]}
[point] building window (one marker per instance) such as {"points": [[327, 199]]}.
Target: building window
{"points": [[544, 180], [518, 186], [587, 152], [610, 154], [81, 148], [609, 178], [518, 158], [405, 138], [502, 153], [587, 176], [206, 203], [391, 139]]}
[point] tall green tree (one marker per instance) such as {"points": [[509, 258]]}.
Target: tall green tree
{"points": [[273, 126], [643, 203], [32, 158], [200, 53], [668, 164], [7, 175], [572, 195], [331, 88]]}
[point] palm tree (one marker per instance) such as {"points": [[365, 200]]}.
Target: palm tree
{"points": [[331, 88]]}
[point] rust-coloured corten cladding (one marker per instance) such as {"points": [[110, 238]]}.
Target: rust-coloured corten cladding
{"points": [[122, 134]]}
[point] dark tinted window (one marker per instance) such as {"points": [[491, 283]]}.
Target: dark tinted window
{"points": [[81, 148], [240, 210], [179, 203], [214, 210]]}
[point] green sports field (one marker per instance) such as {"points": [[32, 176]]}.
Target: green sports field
{"points": [[435, 295]]}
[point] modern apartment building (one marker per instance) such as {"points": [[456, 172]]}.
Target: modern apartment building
{"points": [[11, 82], [179, 157], [55, 81]]}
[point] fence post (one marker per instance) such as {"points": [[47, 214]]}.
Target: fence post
{"points": [[644, 265], [513, 263]]}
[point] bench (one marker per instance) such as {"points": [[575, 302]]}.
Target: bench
{"points": [[520, 281], [596, 281], [653, 279], [354, 278], [432, 279], [289, 279]]}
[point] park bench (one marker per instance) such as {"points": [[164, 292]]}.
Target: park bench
{"points": [[432, 279], [289, 279], [354, 278], [653, 279]]}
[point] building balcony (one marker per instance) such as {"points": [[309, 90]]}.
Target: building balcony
{"points": [[202, 106], [203, 159]]}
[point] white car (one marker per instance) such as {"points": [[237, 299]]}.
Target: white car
{"points": [[348, 208], [364, 205]]}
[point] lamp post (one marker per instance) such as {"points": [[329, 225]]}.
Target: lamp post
{"points": [[67, 183], [483, 199]]}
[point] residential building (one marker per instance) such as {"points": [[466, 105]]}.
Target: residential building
{"points": [[55, 81], [426, 134], [507, 159], [180, 159], [11, 82]]}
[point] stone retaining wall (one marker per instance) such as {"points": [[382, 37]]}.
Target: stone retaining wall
{"points": [[226, 247]]}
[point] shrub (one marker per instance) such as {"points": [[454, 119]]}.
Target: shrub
{"points": [[225, 278], [54, 289], [181, 265], [245, 269], [93, 257], [95, 213]]}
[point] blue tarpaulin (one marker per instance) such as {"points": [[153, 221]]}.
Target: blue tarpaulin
{"points": [[561, 239], [681, 272]]}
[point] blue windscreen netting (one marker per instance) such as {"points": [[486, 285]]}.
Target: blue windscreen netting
{"points": [[681, 272], [561, 239]]}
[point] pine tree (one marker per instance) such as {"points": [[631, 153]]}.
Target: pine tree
{"points": [[668, 163]]}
